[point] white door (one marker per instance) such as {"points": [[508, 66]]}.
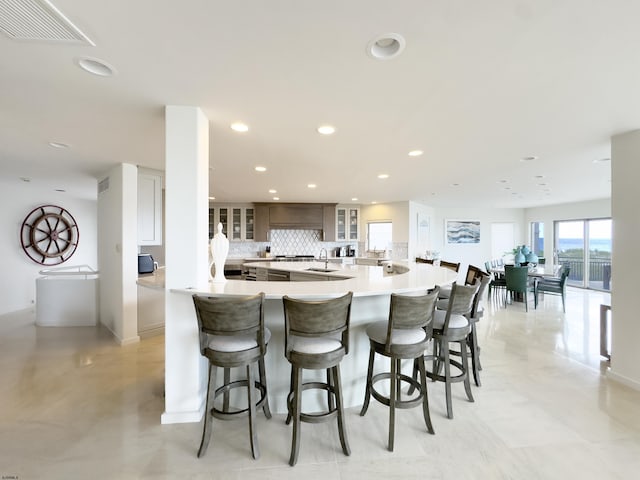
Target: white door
{"points": [[502, 239]]}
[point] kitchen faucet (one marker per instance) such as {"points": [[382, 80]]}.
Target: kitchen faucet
{"points": [[326, 257]]}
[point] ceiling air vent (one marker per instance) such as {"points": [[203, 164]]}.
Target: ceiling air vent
{"points": [[38, 20]]}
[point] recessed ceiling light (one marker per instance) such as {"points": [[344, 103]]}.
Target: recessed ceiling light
{"points": [[272, 191], [212, 198], [601, 160], [58, 145], [539, 176], [542, 184], [455, 184], [383, 176], [260, 169], [326, 129], [239, 127], [529, 158], [61, 190], [514, 193], [374, 202], [276, 198], [507, 188], [311, 185], [415, 153], [354, 199], [95, 66], [502, 181], [386, 46], [25, 179]]}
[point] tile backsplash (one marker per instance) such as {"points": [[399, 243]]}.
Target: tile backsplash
{"points": [[287, 242], [303, 242]]}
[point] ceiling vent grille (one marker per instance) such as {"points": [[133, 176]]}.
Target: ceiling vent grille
{"points": [[38, 20]]}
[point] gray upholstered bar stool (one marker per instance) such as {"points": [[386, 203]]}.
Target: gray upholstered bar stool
{"points": [[404, 336], [316, 338], [232, 334], [453, 326]]}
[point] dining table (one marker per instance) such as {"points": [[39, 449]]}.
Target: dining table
{"points": [[535, 271]]}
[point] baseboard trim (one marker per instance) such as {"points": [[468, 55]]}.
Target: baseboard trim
{"points": [[624, 380], [181, 417]]}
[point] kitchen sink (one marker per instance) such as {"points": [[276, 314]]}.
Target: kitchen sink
{"points": [[323, 270]]}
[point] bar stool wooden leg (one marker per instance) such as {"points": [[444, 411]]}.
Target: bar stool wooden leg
{"points": [[255, 450], [330, 404], [263, 381], [444, 352], [367, 393], [225, 396], [342, 431], [297, 394], [465, 366], [208, 419], [425, 400]]}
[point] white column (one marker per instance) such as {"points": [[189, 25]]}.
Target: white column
{"points": [[117, 252], [186, 243], [625, 196]]}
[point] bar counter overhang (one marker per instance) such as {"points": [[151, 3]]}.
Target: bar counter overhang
{"points": [[371, 287]]}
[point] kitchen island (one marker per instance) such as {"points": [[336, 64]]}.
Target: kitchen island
{"points": [[371, 287]]}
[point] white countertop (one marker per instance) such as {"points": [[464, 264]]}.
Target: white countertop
{"points": [[152, 280], [361, 280]]}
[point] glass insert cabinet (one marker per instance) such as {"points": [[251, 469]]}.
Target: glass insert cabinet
{"points": [[237, 222], [347, 224]]}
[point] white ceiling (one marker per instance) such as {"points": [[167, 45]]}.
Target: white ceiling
{"points": [[479, 86]]}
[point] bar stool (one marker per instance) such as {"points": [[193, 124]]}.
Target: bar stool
{"points": [[477, 312], [232, 334], [452, 326], [404, 336], [316, 337]]}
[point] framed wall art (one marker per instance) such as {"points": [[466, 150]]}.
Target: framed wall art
{"points": [[462, 231]]}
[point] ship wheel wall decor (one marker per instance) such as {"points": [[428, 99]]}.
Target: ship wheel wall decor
{"points": [[49, 235]]}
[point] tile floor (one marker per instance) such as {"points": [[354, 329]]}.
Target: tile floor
{"points": [[77, 406]]}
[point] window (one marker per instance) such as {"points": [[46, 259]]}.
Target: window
{"points": [[379, 236], [537, 238]]}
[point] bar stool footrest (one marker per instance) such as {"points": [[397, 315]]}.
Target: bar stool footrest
{"points": [[410, 403], [222, 415], [319, 417]]}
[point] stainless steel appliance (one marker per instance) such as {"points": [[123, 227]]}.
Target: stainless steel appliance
{"points": [[146, 263]]}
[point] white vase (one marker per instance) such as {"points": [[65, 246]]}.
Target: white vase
{"points": [[219, 252]]}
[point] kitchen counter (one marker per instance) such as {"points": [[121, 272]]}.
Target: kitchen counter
{"points": [[362, 280], [371, 287]]}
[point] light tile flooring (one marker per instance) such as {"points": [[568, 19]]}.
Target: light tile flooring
{"points": [[76, 406]]}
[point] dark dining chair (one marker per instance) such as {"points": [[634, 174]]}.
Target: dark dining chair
{"points": [[553, 286], [517, 280]]}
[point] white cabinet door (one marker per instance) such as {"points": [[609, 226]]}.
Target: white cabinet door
{"points": [[341, 224], [347, 224], [354, 224], [237, 222], [149, 209]]}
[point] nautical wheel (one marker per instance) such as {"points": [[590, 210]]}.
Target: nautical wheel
{"points": [[49, 235]]}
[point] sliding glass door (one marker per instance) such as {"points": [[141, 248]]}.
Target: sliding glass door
{"points": [[585, 247]]}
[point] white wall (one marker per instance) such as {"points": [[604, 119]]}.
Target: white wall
{"points": [[625, 172], [118, 253], [568, 211], [475, 254], [19, 272]]}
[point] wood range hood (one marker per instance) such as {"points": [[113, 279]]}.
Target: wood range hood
{"points": [[296, 216]]}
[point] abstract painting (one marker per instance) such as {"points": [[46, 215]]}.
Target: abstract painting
{"points": [[462, 231]]}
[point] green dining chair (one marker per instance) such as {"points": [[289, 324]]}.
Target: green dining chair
{"points": [[517, 280]]}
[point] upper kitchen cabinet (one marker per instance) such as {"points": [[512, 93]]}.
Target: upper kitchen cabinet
{"points": [[294, 216], [238, 223], [347, 224], [149, 207]]}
